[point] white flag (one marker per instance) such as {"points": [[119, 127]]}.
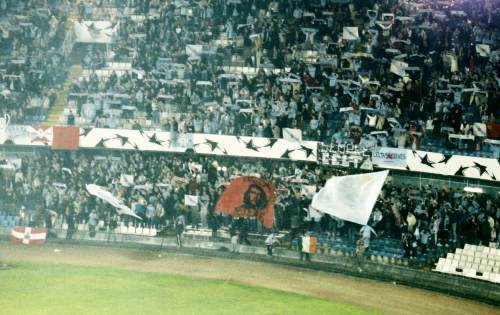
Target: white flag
{"points": [[350, 33], [127, 180], [294, 135], [308, 190], [350, 198], [105, 195], [190, 200], [398, 67], [483, 50]]}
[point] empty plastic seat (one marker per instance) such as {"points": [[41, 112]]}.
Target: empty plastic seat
{"points": [[469, 272]]}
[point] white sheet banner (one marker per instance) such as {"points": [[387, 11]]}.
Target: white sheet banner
{"points": [[190, 200], [393, 158], [350, 198]]}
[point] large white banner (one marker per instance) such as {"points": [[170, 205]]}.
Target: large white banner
{"points": [[453, 165], [95, 32], [350, 198], [26, 135], [392, 158]]}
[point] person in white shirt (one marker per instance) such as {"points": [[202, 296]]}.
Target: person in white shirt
{"points": [[270, 241]]}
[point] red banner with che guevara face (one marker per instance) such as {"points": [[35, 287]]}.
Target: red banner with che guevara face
{"points": [[249, 196]]}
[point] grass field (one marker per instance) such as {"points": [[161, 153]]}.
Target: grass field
{"points": [[42, 288]]}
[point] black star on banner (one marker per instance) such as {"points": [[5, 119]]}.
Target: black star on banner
{"points": [[155, 140], [446, 158], [482, 169], [408, 168], [271, 143], [138, 127], [85, 131], [136, 147], [101, 143], [493, 177], [425, 160], [123, 139], [461, 170], [251, 146], [223, 151], [307, 150], [213, 145], [286, 154]]}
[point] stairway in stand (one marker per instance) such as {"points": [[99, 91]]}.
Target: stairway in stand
{"points": [[57, 109]]}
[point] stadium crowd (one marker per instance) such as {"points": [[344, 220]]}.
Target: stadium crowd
{"points": [[420, 74], [308, 74], [51, 186], [32, 64]]}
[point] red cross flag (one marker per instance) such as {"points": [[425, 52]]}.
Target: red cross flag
{"points": [[28, 235]]}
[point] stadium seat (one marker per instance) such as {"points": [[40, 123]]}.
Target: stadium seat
{"points": [[469, 272], [145, 231], [440, 264], [139, 230], [496, 277], [152, 232]]}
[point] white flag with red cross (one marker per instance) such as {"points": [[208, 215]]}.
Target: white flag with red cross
{"points": [[28, 235]]}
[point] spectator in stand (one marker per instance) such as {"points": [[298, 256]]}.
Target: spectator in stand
{"points": [[332, 86]]}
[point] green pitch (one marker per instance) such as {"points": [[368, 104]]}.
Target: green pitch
{"points": [[64, 290]]}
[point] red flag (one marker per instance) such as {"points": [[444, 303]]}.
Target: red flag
{"points": [[493, 131], [249, 197], [66, 138], [28, 235]]}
